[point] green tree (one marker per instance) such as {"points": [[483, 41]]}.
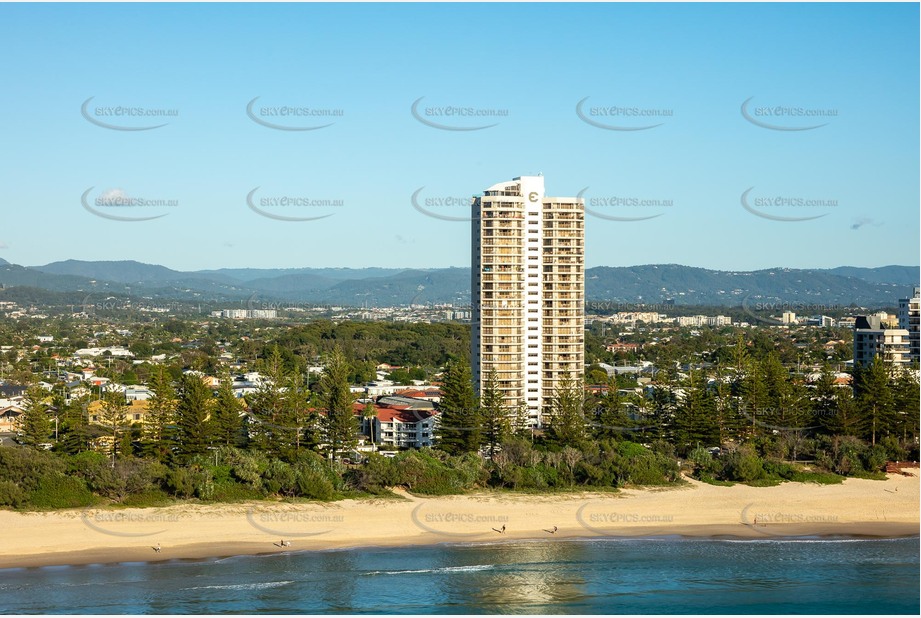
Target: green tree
{"points": [[369, 415], [114, 418], [874, 398], [272, 432], [341, 423], [906, 397], [192, 415], [695, 418], [494, 416], [161, 414], [227, 424], [567, 420], [34, 423], [459, 426]]}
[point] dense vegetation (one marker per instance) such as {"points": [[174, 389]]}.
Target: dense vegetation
{"points": [[728, 405]]}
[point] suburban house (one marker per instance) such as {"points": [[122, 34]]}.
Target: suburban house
{"points": [[9, 419]]}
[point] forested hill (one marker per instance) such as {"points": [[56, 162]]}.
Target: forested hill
{"points": [[685, 285]]}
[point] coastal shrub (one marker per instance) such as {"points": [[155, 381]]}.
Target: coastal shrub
{"points": [[180, 483], [280, 478], [231, 491], [591, 474], [894, 449], [118, 481], [245, 466], [744, 465], [27, 467], [314, 485], [147, 498], [423, 473], [874, 458], [637, 465], [58, 491], [701, 459], [373, 477], [822, 478], [12, 494], [334, 472]]}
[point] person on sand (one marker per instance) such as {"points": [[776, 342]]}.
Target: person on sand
{"points": [[157, 548], [503, 528]]}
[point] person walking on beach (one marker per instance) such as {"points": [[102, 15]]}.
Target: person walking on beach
{"points": [[157, 548]]}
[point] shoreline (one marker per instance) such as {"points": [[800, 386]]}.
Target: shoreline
{"points": [[857, 508]]}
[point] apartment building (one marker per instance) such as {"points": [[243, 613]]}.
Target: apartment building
{"points": [[528, 287], [872, 338], [909, 312]]}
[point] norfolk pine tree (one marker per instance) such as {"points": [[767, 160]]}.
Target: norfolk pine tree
{"points": [[341, 423]]}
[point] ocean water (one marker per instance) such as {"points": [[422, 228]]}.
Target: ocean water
{"points": [[586, 576]]}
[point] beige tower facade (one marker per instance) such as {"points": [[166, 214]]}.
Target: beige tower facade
{"points": [[528, 287]]}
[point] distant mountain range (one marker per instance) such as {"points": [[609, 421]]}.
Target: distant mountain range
{"points": [[685, 285]]}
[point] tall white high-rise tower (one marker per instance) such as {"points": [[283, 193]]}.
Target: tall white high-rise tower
{"points": [[528, 286]]}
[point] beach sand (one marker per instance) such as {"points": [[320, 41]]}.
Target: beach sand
{"points": [[196, 531]]}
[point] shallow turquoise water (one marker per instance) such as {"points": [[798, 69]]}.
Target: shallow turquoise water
{"points": [[597, 576]]}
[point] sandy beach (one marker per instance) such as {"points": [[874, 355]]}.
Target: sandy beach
{"points": [[194, 531]]}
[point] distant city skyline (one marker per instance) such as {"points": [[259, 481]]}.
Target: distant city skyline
{"points": [[730, 137]]}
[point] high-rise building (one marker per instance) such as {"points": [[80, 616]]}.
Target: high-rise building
{"points": [[909, 313], [872, 338], [528, 286]]}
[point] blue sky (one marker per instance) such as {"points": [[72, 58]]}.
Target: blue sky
{"points": [[856, 65]]}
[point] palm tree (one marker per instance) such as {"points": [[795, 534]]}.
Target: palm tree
{"points": [[370, 414]]}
